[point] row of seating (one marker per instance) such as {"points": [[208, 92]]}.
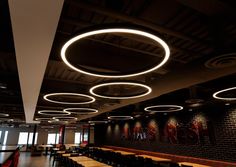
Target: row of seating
{"points": [[119, 160]]}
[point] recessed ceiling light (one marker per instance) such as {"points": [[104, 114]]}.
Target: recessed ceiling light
{"points": [[227, 104], [81, 110], [216, 94], [53, 112], [115, 30], [120, 117], [160, 108], [4, 115], [47, 97], [148, 90]]}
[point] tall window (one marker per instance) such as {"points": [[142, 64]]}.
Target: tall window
{"points": [[0, 135], [77, 138], [23, 138], [53, 138], [57, 138], [5, 138], [31, 138]]}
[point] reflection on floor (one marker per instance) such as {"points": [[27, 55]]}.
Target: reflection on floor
{"points": [[36, 161]]}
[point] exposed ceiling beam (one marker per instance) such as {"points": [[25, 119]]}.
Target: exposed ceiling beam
{"points": [[80, 23], [34, 23], [171, 82], [120, 16]]}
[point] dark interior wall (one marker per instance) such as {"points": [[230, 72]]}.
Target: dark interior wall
{"points": [[207, 134]]}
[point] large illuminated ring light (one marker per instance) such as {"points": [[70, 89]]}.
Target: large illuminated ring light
{"points": [[116, 30], [43, 119], [170, 108], [4, 115], [97, 122], [53, 112], [120, 117], [87, 110], [64, 118], [92, 90], [47, 98], [216, 94]]}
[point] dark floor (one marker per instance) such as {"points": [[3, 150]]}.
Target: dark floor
{"points": [[26, 160]]}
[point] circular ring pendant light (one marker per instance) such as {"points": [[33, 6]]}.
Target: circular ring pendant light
{"points": [[148, 90], [122, 117], [169, 108], [43, 119], [53, 112], [4, 115], [216, 94], [81, 110], [97, 122], [47, 98], [65, 118], [77, 38]]}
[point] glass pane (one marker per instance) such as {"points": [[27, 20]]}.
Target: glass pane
{"points": [[57, 139], [51, 138], [5, 138], [23, 137], [77, 138], [31, 138], [0, 135]]}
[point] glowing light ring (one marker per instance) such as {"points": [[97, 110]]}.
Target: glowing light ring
{"points": [[47, 112], [120, 117], [149, 90], [92, 99], [178, 108], [64, 118], [4, 115], [95, 122], [215, 95], [43, 119], [70, 110], [57, 121], [116, 30]]}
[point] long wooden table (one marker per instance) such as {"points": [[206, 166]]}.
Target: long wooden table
{"points": [[192, 164], [4, 156], [124, 152], [88, 162], [157, 159], [8, 148]]}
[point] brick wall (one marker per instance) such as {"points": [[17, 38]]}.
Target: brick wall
{"points": [[217, 139]]}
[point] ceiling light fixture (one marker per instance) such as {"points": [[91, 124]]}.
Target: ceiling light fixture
{"points": [[81, 110], [120, 117], [92, 90], [170, 108], [53, 112], [97, 122], [42, 119], [47, 98], [216, 94], [56, 121], [64, 118], [115, 30], [4, 115]]}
